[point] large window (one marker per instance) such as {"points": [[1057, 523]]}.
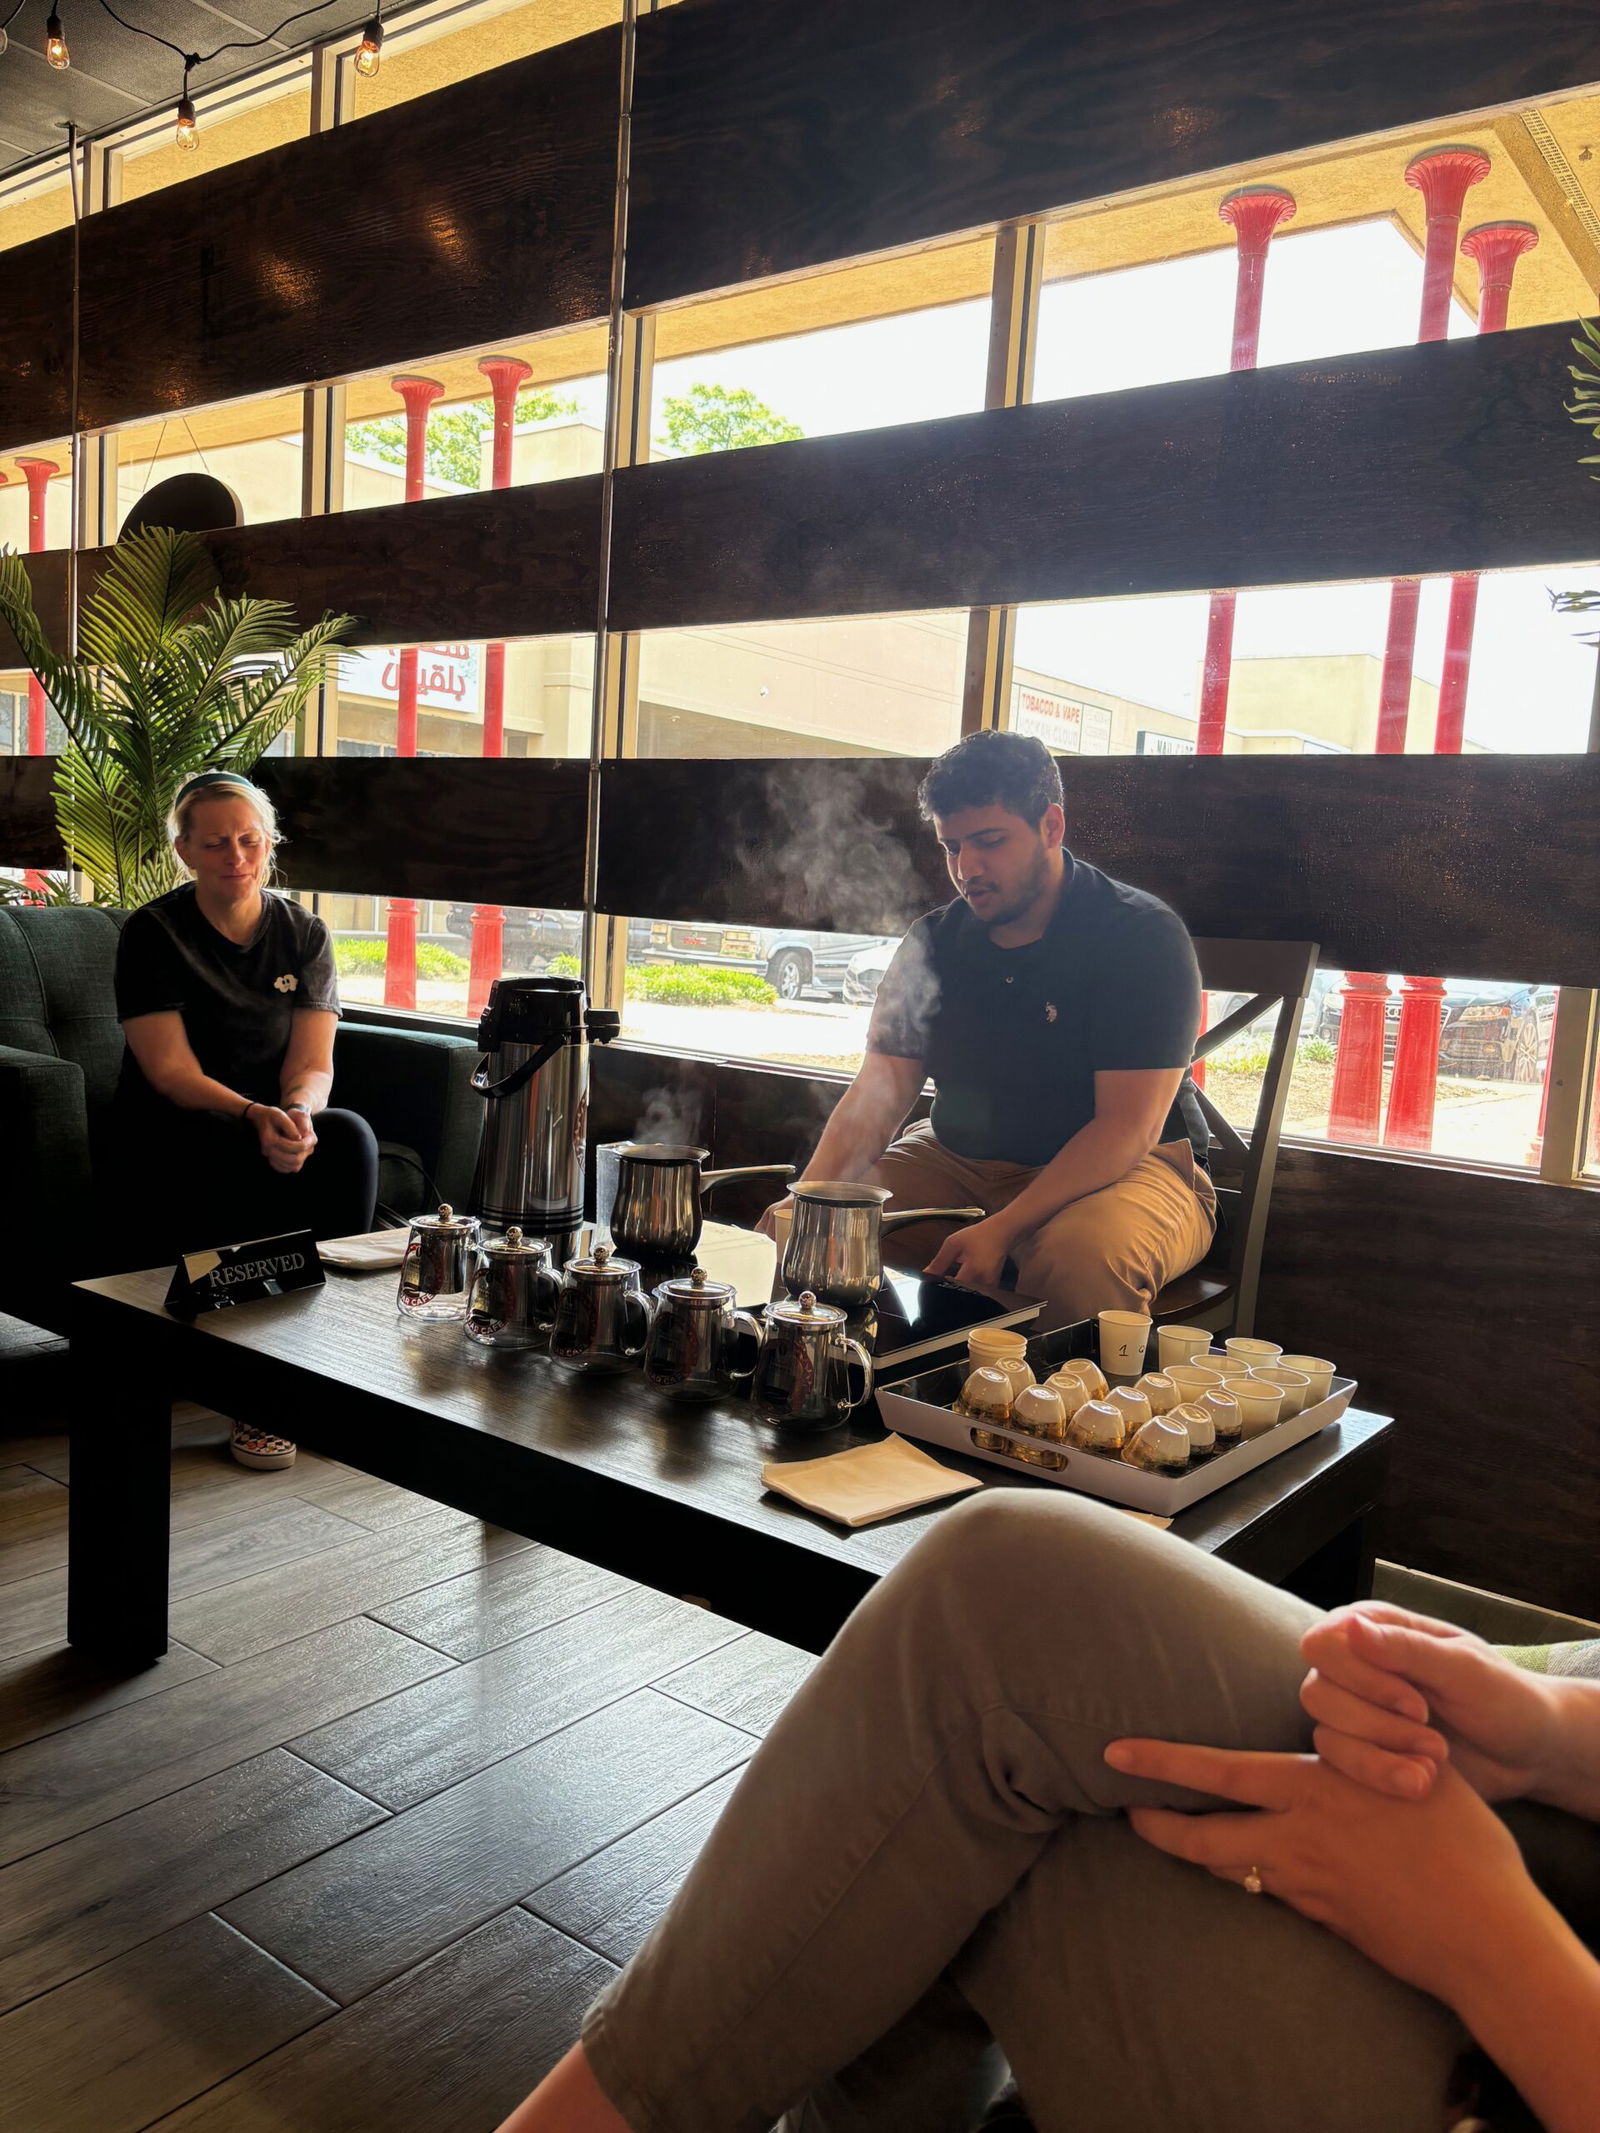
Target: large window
{"points": [[878, 685], [1306, 670], [892, 341], [449, 42], [35, 482], [556, 390], [246, 118], [254, 447], [1482, 1104], [35, 202], [537, 691]]}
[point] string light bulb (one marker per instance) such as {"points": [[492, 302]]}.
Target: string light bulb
{"points": [[55, 43], [370, 47], [187, 131]]}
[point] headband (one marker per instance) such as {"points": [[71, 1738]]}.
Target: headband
{"points": [[211, 777]]}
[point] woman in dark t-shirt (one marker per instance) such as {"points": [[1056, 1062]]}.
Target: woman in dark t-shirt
{"points": [[228, 1001]]}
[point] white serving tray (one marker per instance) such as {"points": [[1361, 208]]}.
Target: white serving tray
{"points": [[1091, 1473]]}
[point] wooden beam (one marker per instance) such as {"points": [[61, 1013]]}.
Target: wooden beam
{"points": [[1457, 866], [505, 832], [36, 341], [481, 212], [768, 138], [502, 563], [1412, 461]]}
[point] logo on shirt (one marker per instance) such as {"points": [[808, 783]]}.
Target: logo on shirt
{"points": [[290, 983], [1050, 1010]]}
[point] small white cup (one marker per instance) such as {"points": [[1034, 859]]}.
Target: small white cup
{"points": [[1180, 1344], [984, 1343], [1124, 1342], [1230, 1366], [1260, 1404], [1314, 1367], [1246, 1349], [1192, 1379], [1296, 1387], [1133, 1407], [1159, 1390], [1086, 1368]]}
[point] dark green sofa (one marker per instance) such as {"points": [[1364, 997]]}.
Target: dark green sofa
{"points": [[60, 1053]]}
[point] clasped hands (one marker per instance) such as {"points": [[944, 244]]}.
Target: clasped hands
{"points": [[1384, 1835], [286, 1137]]}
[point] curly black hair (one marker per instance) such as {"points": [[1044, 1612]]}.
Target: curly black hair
{"points": [[1009, 770]]}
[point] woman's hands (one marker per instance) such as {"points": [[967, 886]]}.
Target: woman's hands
{"points": [[286, 1137], [1379, 1674], [1427, 1888]]}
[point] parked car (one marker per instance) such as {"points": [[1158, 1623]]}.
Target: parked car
{"points": [[864, 972], [792, 963], [1493, 1032], [533, 938]]}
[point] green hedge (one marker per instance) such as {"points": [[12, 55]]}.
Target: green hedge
{"points": [[350, 956], [683, 984]]}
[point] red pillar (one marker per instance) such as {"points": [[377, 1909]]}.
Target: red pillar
{"points": [[1496, 246], [1357, 1101], [39, 474], [1442, 176], [1416, 1065], [400, 961], [1254, 212], [506, 375]]}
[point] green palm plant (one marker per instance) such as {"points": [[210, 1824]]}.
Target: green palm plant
{"points": [[170, 678], [1584, 409]]}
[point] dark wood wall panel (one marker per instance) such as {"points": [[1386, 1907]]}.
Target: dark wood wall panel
{"points": [[501, 563], [48, 577], [508, 832], [769, 137], [36, 341], [479, 213], [1457, 866], [1454, 456], [27, 813], [1419, 1280], [1413, 1279]]}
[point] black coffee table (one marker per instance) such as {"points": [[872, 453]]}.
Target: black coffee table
{"points": [[602, 1468]]}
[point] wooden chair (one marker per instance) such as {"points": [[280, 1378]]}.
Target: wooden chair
{"points": [[1220, 1293]]}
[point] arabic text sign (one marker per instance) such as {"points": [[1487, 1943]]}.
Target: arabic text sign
{"points": [[447, 676]]}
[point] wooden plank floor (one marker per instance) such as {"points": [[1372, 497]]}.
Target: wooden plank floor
{"points": [[362, 1848]]}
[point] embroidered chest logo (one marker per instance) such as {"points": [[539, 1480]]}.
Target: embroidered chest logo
{"points": [[1050, 1010], [290, 983]]}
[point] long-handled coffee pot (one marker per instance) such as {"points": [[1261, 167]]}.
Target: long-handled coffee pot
{"points": [[834, 1246], [656, 1213]]}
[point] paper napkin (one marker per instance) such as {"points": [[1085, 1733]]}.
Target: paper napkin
{"points": [[363, 1255], [873, 1481]]}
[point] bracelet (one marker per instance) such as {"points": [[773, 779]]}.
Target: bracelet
{"points": [[249, 1107], [299, 1107]]}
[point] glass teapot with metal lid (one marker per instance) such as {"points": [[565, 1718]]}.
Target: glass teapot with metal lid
{"points": [[436, 1272], [809, 1375], [700, 1344], [514, 1292], [602, 1317]]}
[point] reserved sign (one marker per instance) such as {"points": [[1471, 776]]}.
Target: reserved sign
{"points": [[243, 1273]]}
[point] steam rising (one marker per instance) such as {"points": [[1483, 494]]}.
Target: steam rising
{"points": [[671, 1116]]}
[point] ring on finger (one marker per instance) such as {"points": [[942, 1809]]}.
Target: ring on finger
{"points": [[1252, 1882]]}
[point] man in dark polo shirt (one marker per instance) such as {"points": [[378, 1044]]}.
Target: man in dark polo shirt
{"points": [[1055, 1011]]}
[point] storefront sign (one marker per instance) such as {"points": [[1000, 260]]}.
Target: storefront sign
{"points": [[1065, 727], [447, 677], [1149, 743]]}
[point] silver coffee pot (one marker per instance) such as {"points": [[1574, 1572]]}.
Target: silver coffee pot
{"points": [[602, 1317], [700, 1345], [809, 1376], [440, 1259], [835, 1247], [514, 1292], [656, 1211]]}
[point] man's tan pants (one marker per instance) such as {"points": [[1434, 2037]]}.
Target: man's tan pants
{"points": [[929, 1854], [1113, 1250]]}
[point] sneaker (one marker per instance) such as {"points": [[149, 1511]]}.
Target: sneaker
{"points": [[253, 1447]]}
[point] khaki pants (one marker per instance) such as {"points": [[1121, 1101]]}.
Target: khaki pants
{"points": [[1113, 1250], [928, 1856]]}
